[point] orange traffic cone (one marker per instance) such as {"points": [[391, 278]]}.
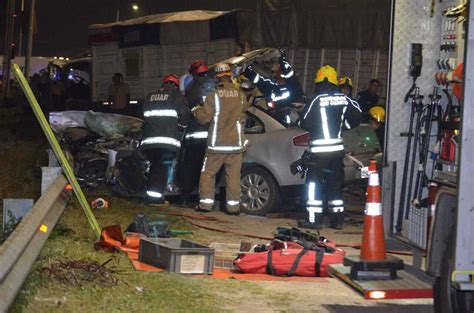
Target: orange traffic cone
{"points": [[372, 166], [373, 262], [373, 238]]}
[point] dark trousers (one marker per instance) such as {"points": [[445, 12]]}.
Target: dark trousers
{"points": [[159, 170], [324, 182], [380, 132], [192, 158]]}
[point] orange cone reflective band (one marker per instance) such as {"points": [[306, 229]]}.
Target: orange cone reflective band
{"points": [[373, 237]]}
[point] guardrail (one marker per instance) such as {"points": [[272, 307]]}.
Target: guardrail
{"points": [[21, 249]]}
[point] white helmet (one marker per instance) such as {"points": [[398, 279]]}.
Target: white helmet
{"points": [[222, 69]]}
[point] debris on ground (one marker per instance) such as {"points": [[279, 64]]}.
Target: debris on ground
{"points": [[78, 272], [54, 301]]}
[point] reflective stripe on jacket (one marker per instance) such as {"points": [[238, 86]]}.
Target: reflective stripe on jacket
{"points": [[325, 118], [163, 111], [223, 109]]}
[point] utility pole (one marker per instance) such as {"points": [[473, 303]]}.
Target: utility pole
{"points": [[20, 37], [7, 55], [29, 39]]}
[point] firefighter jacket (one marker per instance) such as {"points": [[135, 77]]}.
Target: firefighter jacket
{"points": [[223, 109], [196, 93], [324, 118], [163, 112], [198, 89], [282, 90]]}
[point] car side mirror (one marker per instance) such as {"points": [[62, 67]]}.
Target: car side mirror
{"points": [[257, 129]]}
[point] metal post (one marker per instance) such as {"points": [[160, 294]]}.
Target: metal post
{"points": [[20, 37], [356, 71], [464, 256], [323, 57], [338, 66], [9, 27], [29, 39], [305, 75]]}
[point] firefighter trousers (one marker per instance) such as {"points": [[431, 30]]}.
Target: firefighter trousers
{"points": [[190, 171], [324, 183], [211, 166], [161, 162]]}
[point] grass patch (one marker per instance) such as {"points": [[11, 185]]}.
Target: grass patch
{"points": [[137, 291]]}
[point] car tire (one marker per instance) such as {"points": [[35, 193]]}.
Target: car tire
{"points": [[446, 297], [260, 193]]}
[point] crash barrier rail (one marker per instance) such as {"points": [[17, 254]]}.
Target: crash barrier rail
{"points": [[20, 250], [68, 171]]}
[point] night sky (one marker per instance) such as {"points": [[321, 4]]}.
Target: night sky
{"points": [[63, 24]]}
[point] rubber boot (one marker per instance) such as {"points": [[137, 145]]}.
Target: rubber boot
{"points": [[171, 187], [236, 213], [337, 220], [184, 201], [318, 222], [202, 209]]}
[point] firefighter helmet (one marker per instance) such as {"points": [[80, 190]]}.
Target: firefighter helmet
{"points": [[171, 78], [198, 67], [377, 113], [345, 81], [223, 69], [327, 73]]}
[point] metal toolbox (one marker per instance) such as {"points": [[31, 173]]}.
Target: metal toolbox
{"points": [[177, 255]]}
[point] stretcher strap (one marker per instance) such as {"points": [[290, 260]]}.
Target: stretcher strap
{"points": [[270, 269], [318, 259], [297, 262]]}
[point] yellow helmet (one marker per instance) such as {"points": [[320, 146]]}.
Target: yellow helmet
{"points": [[326, 72], [345, 80], [377, 113]]}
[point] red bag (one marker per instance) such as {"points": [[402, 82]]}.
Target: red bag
{"points": [[293, 259]]}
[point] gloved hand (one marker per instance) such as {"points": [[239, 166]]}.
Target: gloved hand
{"points": [[237, 70], [197, 107], [299, 166]]}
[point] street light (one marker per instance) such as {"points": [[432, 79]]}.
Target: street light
{"points": [[135, 8]]}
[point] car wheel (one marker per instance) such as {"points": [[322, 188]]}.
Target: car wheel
{"points": [[260, 192], [92, 172]]}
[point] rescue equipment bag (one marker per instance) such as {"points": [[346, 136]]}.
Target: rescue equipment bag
{"points": [[291, 259]]}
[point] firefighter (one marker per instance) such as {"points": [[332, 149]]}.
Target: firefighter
{"points": [[324, 118], [223, 109], [345, 85], [194, 145], [164, 112], [283, 88], [377, 123], [200, 85]]}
